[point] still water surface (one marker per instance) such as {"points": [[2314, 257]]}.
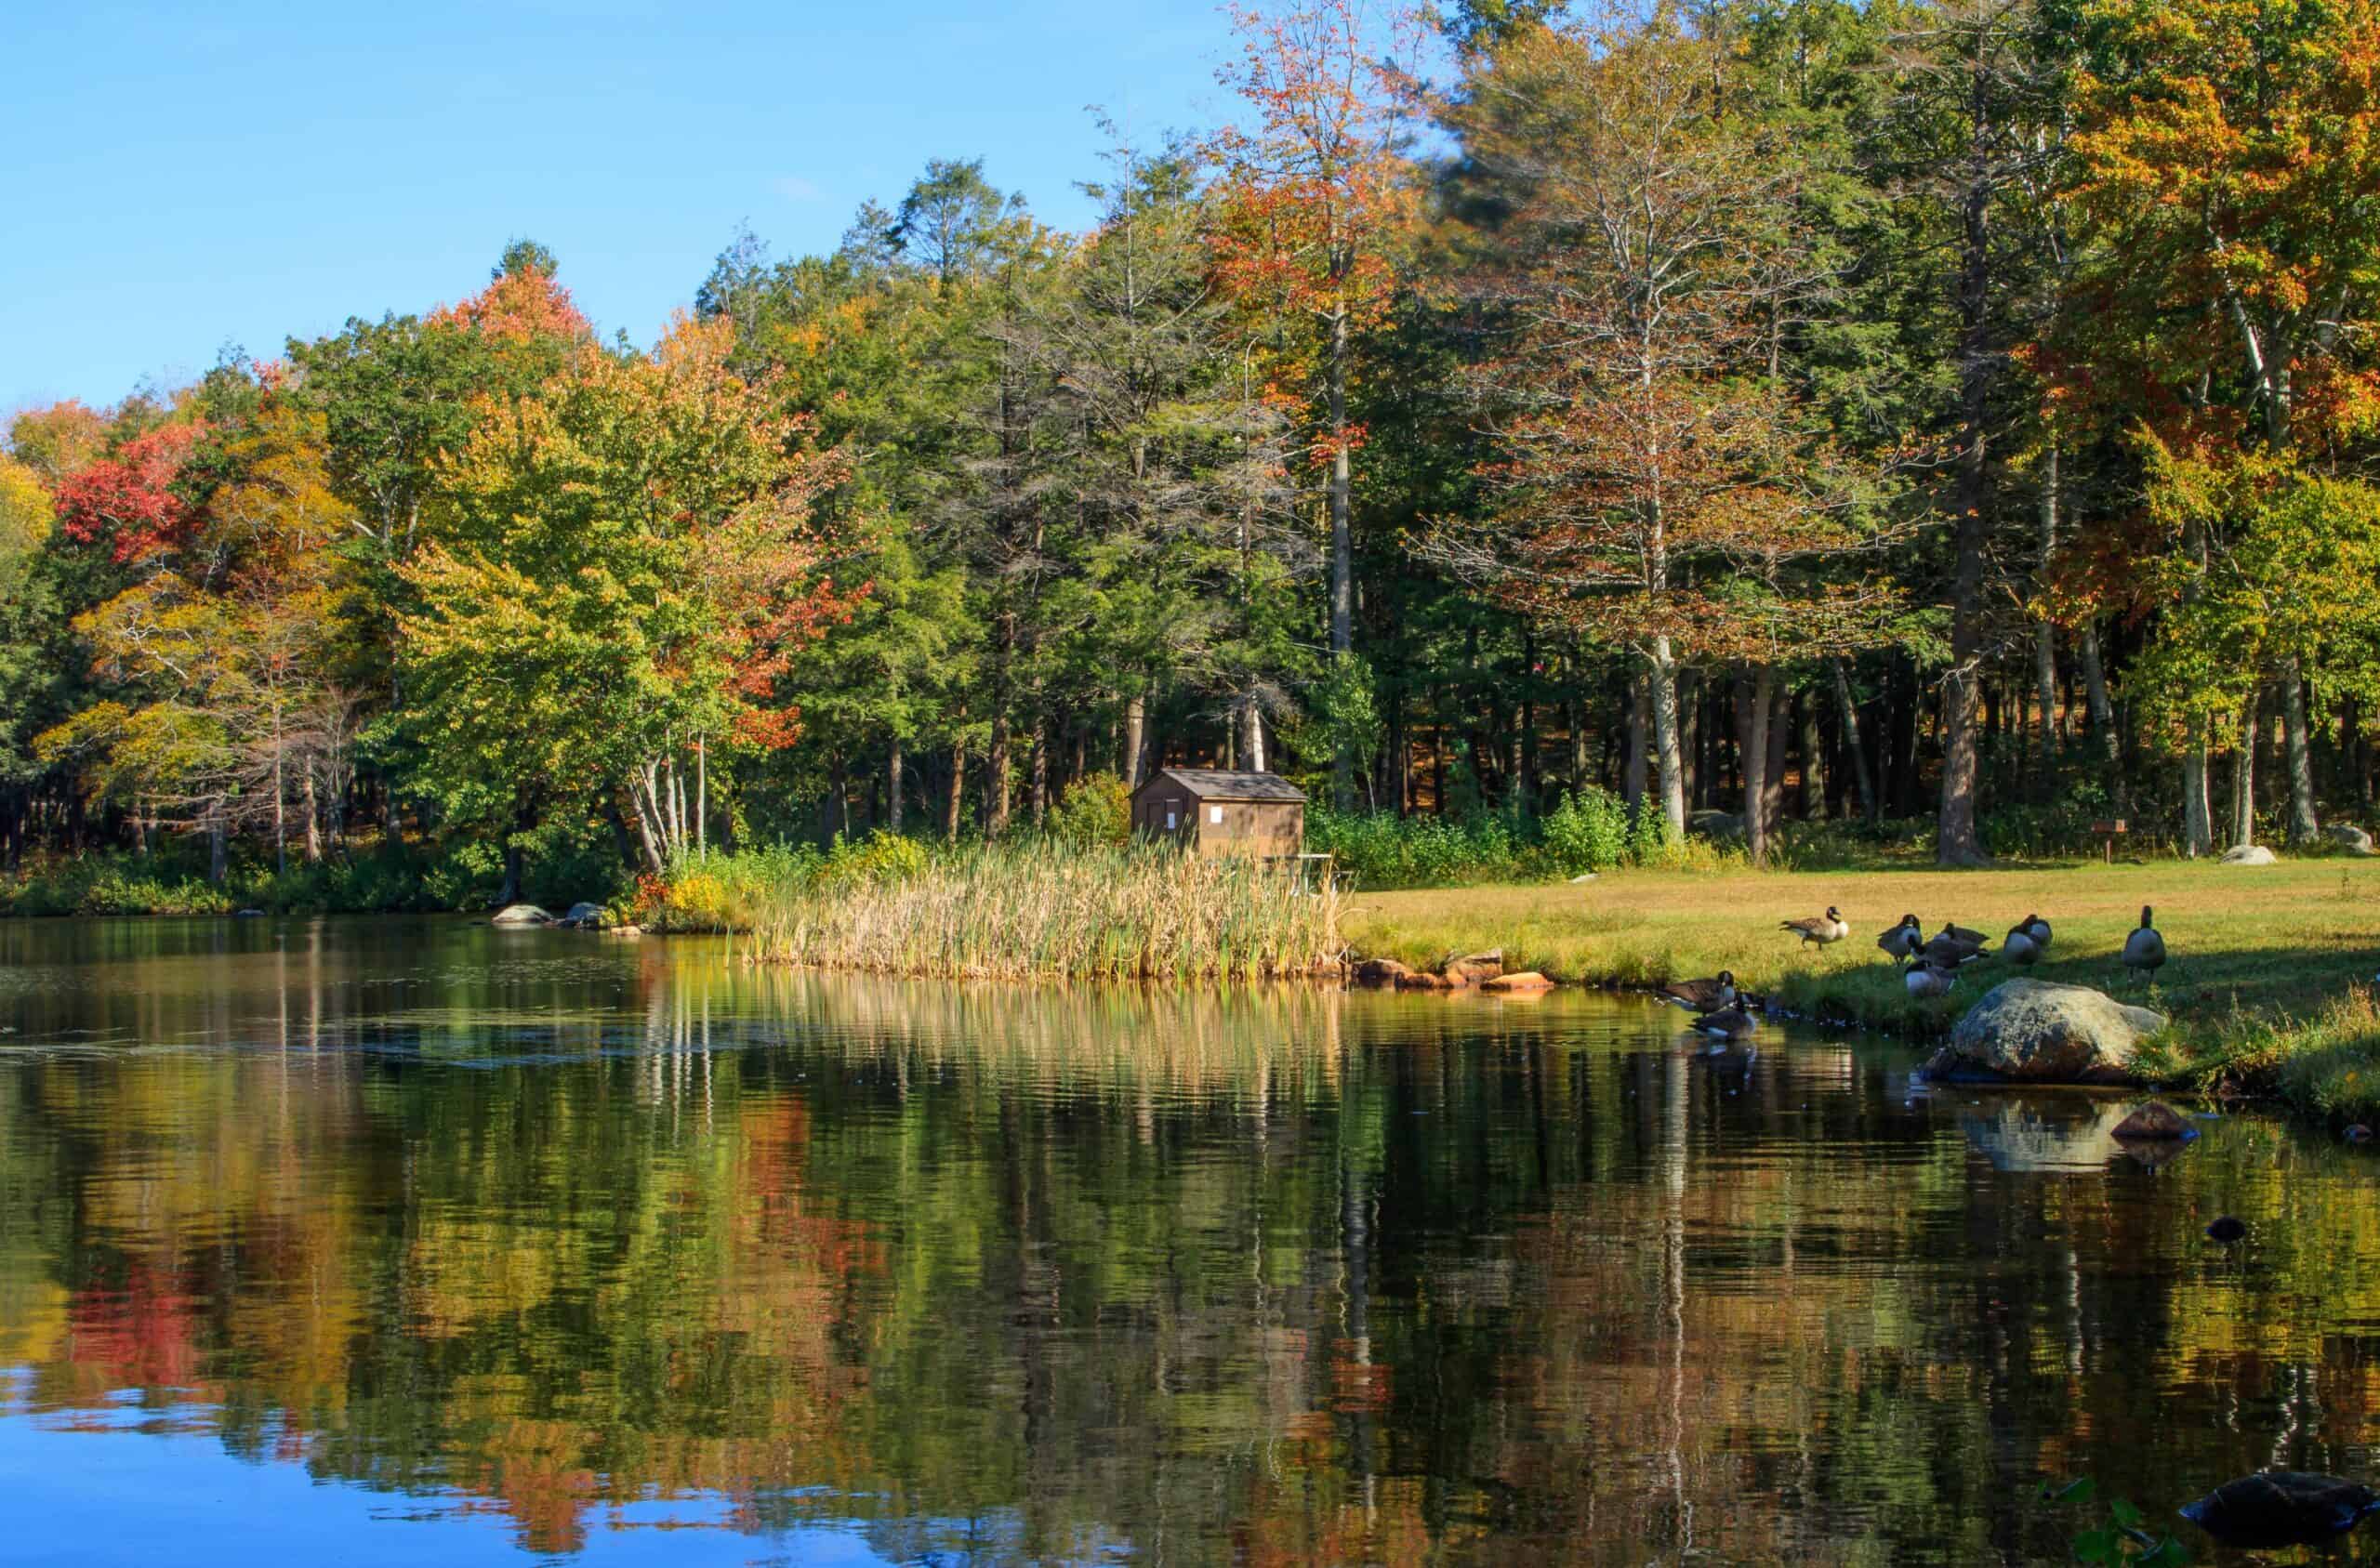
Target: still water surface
{"points": [[402, 1242]]}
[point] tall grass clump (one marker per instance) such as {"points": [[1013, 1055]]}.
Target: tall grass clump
{"points": [[1036, 908]]}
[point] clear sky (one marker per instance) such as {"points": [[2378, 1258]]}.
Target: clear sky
{"points": [[182, 177]]}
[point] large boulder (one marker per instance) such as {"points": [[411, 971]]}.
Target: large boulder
{"points": [[2249, 854], [584, 917], [1526, 982], [2038, 1032], [521, 915], [2348, 839], [1381, 971]]}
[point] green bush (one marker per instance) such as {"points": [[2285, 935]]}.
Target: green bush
{"points": [[1588, 830], [1096, 811]]}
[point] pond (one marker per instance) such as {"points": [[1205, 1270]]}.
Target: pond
{"points": [[403, 1240]]}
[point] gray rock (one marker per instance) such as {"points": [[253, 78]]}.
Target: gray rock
{"points": [[1720, 826], [2038, 1032], [2249, 854], [585, 916], [2352, 840], [521, 915]]}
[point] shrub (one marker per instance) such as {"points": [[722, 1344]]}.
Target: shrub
{"points": [[1588, 830], [1097, 810]]}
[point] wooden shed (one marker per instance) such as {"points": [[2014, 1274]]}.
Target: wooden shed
{"points": [[1215, 812]]}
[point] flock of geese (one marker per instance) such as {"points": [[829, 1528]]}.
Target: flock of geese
{"points": [[1930, 966]]}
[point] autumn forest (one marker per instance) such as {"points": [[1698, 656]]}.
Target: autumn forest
{"points": [[1814, 413]]}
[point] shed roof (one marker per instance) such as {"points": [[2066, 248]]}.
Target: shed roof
{"points": [[1218, 784]]}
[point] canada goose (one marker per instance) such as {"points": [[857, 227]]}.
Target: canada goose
{"points": [[2018, 946], [2036, 928], [1820, 928], [1950, 949], [1973, 939], [1929, 979], [2144, 950], [1702, 995], [2282, 1508], [1903, 939], [1728, 1024], [2227, 1229]]}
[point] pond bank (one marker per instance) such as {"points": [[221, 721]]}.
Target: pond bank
{"points": [[2268, 987]]}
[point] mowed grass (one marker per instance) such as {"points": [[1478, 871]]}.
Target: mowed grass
{"points": [[2268, 984]]}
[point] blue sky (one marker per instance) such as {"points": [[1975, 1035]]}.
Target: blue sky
{"points": [[184, 177]]}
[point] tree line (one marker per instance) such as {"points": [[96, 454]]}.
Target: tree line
{"points": [[1962, 409]]}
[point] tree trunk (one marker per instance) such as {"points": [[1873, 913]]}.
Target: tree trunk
{"points": [[2303, 826], [1813, 760], [1252, 735], [1860, 777], [954, 805], [314, 821], [2044, 644], [995, 777], [1752, 730], [1639, 727], [509, 893], [2104, 728], [1955, 841], [1342, 546], [893, 783], [1136, 710], [1669, 765], [702, 798], [2198, 827], [217, 860], [2244, 776]]}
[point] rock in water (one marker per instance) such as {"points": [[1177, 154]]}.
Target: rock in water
{"points": [[2040, 1032], [585, 916], [2282, 1508], [1526, 981], [521, 915], [2155, 1122], [1474, 969], [2249, 854], [1381, 971]]}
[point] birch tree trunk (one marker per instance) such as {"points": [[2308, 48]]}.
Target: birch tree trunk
{"points": [[2303, 826]]}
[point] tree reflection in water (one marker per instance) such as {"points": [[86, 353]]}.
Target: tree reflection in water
{"points": [[566, 1229]]}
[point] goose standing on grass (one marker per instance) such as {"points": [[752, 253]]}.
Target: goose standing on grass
{"points": [[1902, 941], [2144, 951], [1727, 1023], [1820, 928], [1928, 978], [1703, 995]]}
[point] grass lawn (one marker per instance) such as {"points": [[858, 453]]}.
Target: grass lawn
{"points": [[2267, 985]]}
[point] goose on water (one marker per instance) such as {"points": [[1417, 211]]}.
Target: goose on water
{"points": [[1727, 1023], [2282, 1509], [2144, 950], [1703, 995], [1821, 929]]}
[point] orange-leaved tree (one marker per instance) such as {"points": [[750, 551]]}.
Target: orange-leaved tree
{"points": [[1317, 193]]}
